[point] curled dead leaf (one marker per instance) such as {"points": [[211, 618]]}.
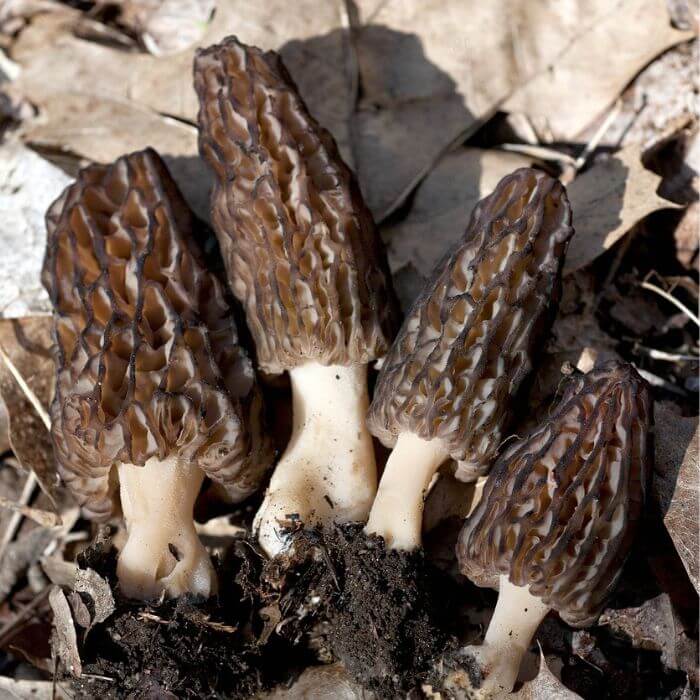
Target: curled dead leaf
{"points": [[81, 614], [64, 642], [87, 581], [676, 484]]}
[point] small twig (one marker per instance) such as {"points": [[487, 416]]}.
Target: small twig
{"points": [[31, 482], [679, 305], [538, 152], [151, 617], [26, 389], [655, 354], [598, 136], [654, 380], [572, 170], [16, 517], [97, 677]]}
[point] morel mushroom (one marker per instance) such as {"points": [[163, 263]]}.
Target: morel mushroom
{"points": [[558, 516], [466, 347], [304, 258], [150, 377]]}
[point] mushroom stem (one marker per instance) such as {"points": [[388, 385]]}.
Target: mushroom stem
{"points": [[397, 512], [515, 620], [328, 472], [162, 550]]}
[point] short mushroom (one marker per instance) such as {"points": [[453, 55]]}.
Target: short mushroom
{"points": [[466, 346], [557, 519], [152, 389], [305, 259]]}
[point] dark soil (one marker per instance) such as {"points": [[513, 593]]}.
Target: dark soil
{"points": [[340, 595], [392, 613], [219, 648], [389, 617]]}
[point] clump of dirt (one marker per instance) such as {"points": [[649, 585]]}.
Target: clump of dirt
{"points": [[388, 611], [182, 648], [221, 647]]}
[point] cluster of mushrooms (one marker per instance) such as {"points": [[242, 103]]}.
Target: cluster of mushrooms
{"points": [[154, 392]]}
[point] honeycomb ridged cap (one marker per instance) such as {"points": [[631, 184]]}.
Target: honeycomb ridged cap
{"points": [[469, 340], [560, 507], [302, 252], [146, 349]]}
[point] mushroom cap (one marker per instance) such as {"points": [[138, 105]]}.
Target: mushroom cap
{"points": [[468, 342], [560, 507], [302, 252], [146, 349]]}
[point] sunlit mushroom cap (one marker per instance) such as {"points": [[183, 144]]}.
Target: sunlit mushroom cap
{"points": [[468, 342], [301, 249], [560, 507], [147, 355]]}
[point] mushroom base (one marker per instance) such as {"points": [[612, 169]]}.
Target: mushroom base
{"points": [[492, 668], [397, 512], [162, 552], [327, 473]]}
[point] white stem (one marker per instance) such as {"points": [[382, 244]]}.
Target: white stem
{"points": [[327, 473], [162, 550], [515, 620], [397, 512]]}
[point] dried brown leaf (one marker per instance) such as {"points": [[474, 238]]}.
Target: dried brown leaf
{"points": [[167, 26], [98, 588], [433, 71], [28, 184], [26, 342], [441, 209], [676, 485], [574, 88], [686, 237], [545, 686], [654, 625], [64, 642], [87, 581], [116, 127], [319, 682], [60, 571], [607, 201], [81, 614], [660, 98], [131, 98]]}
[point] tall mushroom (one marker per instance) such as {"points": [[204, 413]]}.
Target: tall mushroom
{"points": [[557, 518], [304, 258], [466, 346], [152, 388]]}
